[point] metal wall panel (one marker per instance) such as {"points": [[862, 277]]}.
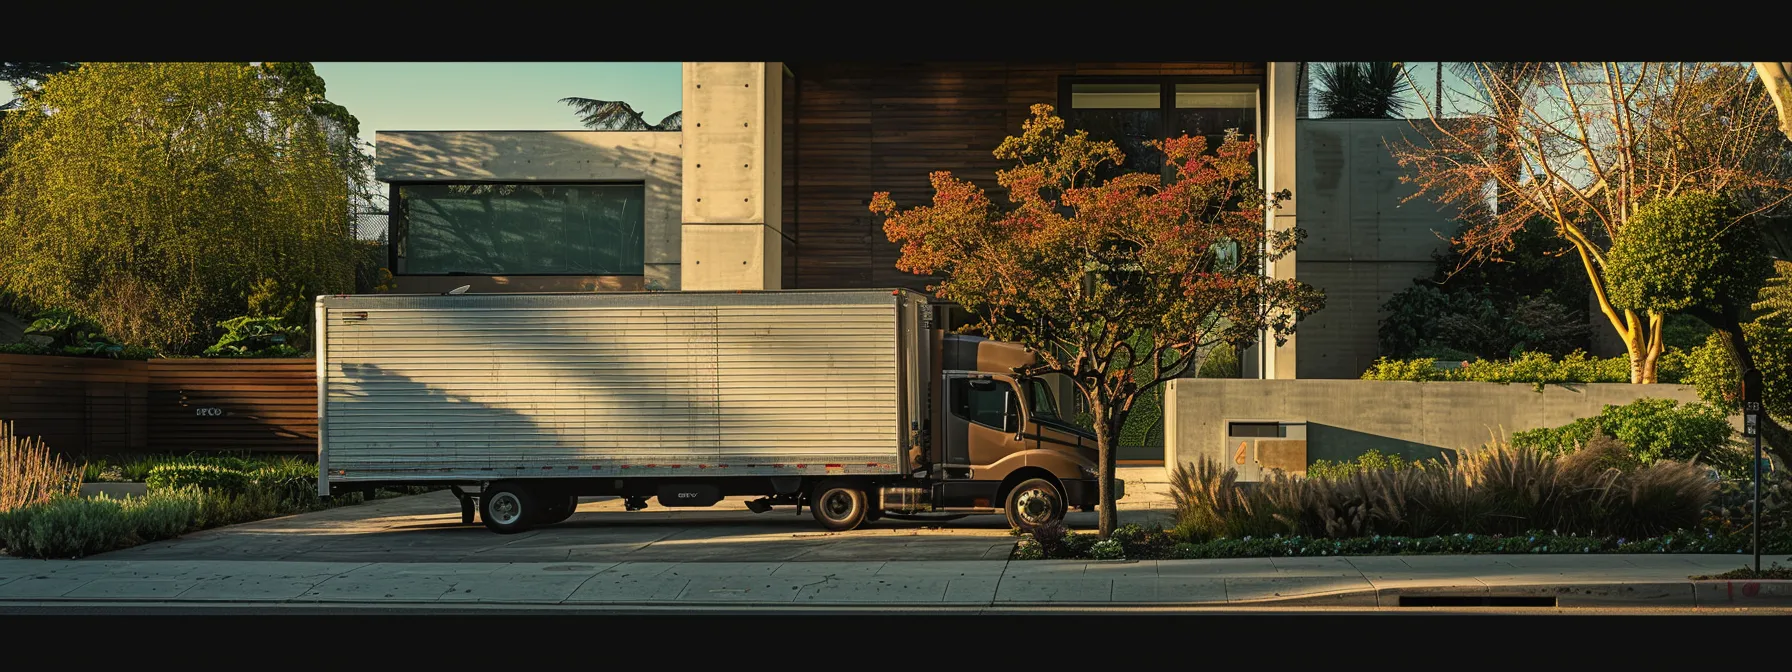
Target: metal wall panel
{"points": [[694, 383]]}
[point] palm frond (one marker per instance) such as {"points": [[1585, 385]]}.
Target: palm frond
{"points": [[1776, 296], [607, 115], [672, 122], [1362, 90]]}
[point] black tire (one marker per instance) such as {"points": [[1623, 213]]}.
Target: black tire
{"points": [[507, 508], [558, 512], [1035, 503], [838, 506]]}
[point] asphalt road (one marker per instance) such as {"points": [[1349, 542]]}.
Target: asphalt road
{"points": [[427, 528]]}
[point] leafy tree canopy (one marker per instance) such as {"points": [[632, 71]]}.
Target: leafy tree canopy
{"points": [[153, 198], [1102, 277], [1687, 252]]}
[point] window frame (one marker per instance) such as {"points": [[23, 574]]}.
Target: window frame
{"points": [[1166, 98], [397, 225], [1014, 407]]}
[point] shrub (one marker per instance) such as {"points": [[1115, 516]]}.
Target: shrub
{"points": [[293, 485], [1058, 541], [1221, 362], [220, 508], [1142, 543], [30, 474], [1369, 460], [1733, 506], [203, 476], [1712, 370], [1653, 429], [1535, 368], [67, 527], [1107, 549], [163, 514], [1502, 489], [1211, 503], [258, 337]]}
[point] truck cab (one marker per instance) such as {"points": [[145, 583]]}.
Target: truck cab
{"points": [[1001, 442]]}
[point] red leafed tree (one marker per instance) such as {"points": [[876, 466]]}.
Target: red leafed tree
{"points": [[1105, 277]]}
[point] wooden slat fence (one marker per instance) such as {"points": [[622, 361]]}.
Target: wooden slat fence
{"points": [[94, 407]]}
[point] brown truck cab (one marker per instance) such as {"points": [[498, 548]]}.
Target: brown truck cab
{"points": [[999, 442]]}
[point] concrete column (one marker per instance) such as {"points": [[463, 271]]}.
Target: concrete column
{"points": [[1278, 174], [733, 176]]}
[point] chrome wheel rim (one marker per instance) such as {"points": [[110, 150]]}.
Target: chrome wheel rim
{"points": [[506, 509], [1035, 506], [836, 504]]}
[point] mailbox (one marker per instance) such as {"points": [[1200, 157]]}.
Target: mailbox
{"points": [[1255, 447]]}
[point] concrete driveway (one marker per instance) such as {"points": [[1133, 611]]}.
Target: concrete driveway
{"points": [[427, 528]]}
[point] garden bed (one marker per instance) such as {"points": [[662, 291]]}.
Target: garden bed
{"points": [[1135, 542], [179, 495], [1591, 495]]}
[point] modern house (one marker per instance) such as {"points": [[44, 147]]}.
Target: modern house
{"points": [[768, 183]]}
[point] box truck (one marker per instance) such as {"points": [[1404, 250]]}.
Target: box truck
{"points": [[853, 404]]}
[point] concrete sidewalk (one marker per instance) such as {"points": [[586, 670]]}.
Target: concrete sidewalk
{"points": [[1571, 581]]}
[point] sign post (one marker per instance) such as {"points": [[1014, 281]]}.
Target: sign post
{"points": [[1751, 427]]}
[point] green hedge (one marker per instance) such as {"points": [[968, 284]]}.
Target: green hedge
{"points": [[1535, 368], [1369, 461], [1652, 430]]}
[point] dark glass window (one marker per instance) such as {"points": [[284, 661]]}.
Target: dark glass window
{"points": [[1130, 115], [1259, 429], [982, 401], [1210, 110], [1133, 114], [521, 229]]}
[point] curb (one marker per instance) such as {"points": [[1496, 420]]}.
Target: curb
{"points": [[1768, 594]]}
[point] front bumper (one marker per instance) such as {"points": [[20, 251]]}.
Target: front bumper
{"points": [[1085, 493]]}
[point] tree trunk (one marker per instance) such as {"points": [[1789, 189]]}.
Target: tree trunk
{"points": [[1776, 76], [1643, 345], [1107, 431], [1438, 93], [1638, 353], [1775, 438]]}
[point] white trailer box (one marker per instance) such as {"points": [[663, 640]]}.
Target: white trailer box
{"points": [[479, 387]]}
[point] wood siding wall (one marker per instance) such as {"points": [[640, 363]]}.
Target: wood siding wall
{"points": [[99, 407], [77, 406], [864, 128]]}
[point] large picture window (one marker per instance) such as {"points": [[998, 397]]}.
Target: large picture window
{"points": [[1133, 112], [519, 229]]}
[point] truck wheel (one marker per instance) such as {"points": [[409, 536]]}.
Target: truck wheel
{"points": [[838, 506], [507, 508], [559, 512], [1035, 503]]}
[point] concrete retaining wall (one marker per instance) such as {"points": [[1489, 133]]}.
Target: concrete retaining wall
{"points": [[1348, 417]]}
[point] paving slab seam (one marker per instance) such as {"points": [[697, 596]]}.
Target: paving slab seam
{"points": [[313, 586]]}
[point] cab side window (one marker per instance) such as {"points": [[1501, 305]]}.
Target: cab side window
{"points": [[982, 401]]}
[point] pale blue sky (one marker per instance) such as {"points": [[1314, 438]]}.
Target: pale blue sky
{"points": [[493, 96]]}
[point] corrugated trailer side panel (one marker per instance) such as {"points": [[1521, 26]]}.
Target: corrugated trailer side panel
{"points": [[478, 387]]}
